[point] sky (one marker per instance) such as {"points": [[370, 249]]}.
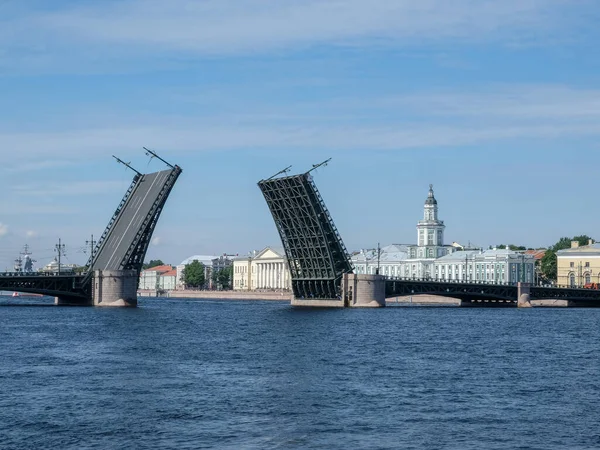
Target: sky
{"points": [[496, 103]]}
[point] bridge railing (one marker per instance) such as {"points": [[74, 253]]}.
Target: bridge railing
{"points": [[434, 280], [38, 274], [481, 282]]}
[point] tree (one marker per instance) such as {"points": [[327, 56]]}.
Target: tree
{"points": [[512, 247], [223, 277], [152, 263], [548, 264], [193, 274], [515, 248]]}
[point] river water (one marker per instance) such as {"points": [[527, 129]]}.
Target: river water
{"points": [[260, 375]]}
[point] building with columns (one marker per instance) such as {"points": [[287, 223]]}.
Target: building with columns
{"points": [[264, 270]]}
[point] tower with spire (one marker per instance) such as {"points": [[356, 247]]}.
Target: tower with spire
{"points": [[430, 230], [430, 240]]}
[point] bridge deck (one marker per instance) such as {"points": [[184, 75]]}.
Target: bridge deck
{"points": [[46, 284], [127, 225], [487, 291]]}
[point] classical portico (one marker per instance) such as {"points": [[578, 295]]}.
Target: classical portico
{"points": [[266, 269]]}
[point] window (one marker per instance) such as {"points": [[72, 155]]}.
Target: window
{"points": [[587, 264], [588, 278], [572, 264], [572, 279]]}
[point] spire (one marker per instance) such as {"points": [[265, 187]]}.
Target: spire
{"points": [[430, 197]]}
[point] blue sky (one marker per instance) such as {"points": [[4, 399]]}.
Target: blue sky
{"points": [[497, 103]]}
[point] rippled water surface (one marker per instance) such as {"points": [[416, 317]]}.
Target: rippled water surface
{"points": [[224, 374]]}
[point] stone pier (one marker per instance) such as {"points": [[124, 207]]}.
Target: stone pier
{"points": [[115, 288], [523, 295], [363, 291], [358, 291]]}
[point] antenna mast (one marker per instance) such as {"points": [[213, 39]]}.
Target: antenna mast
{"points": [[128, 165], [286, 170], [154, 155], [316, 166]]}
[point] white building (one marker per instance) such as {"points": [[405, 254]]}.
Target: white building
{"points": [[264, 270], [52, 267], [410, 261], [490, 266], [391, 260], [152, 278], [168, 281]]}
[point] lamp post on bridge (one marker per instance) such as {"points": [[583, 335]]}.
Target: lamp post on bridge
{"points": [[60, 250]]}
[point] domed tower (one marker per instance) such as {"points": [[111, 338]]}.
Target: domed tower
{"points": [[430, 230]]}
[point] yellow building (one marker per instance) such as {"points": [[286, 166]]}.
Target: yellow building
{"points": [[578, 265]]}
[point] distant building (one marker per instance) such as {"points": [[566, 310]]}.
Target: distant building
{"points": [[152, 278], [218, 264], [578, 265], [410, 261], [490, 266], [392, 259], [264, 270], [64, 268], [168, 281], [537, 256]]}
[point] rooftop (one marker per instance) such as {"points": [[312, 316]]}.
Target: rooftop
{"points": [[204, 259], [161, 269]]}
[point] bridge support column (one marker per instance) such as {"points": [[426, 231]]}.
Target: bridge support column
{"points": [[115, 288], [363, 291], [523, 295]]}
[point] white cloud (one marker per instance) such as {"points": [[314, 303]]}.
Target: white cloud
{"points": [[72, 188], [3, 229], [156, 240], [31, 233], [441, 119], [213, 27]]}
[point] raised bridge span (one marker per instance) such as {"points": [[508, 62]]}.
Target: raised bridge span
{"points": [[119, 253], [322, 274]]}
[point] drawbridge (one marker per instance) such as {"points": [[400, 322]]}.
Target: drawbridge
{"points": [[122, 246], [316, 256]]}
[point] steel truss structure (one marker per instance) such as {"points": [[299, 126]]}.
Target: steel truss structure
{"points": [[469, 292], [132, 250], [113, 220], [133, 258], [52, 285], [316, 255], [461, 291]]}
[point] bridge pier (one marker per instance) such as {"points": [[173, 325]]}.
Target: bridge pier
{"points": [[115, 288], [363, 291], [523, 295]]}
